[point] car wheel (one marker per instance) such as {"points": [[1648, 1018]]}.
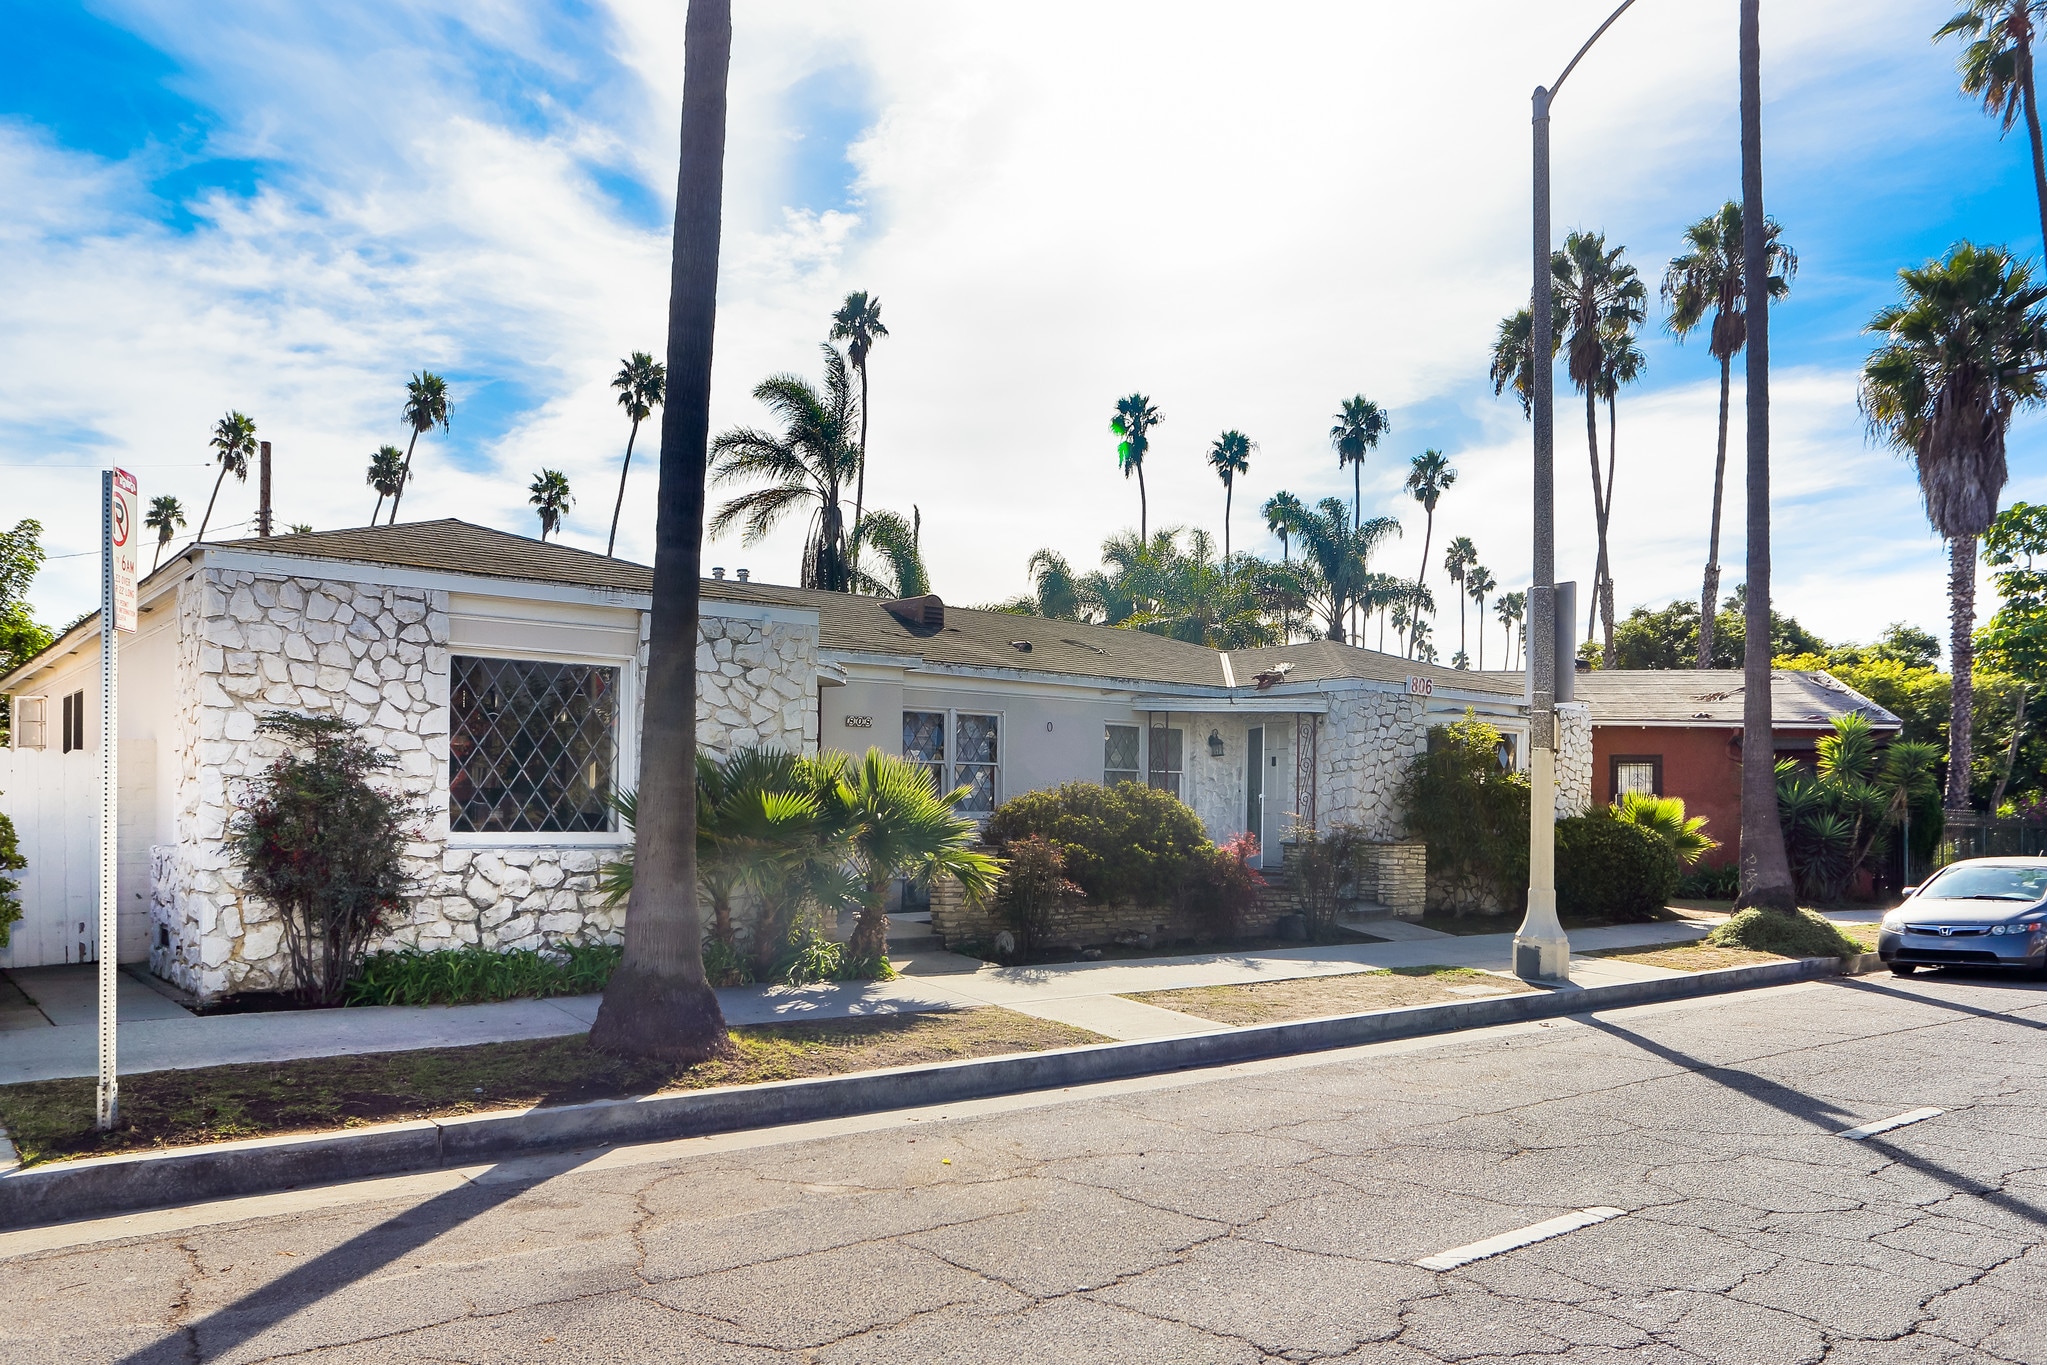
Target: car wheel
{"points": [[1904, 968]]}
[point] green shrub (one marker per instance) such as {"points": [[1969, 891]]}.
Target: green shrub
{"points": [[1470, 810], [1772, 931], [471, 976], [1221, 887], [323, 846], [1611, 870], [1319, 866], [1123, 845], [10, 861]]}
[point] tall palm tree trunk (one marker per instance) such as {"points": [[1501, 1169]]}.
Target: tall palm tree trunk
{"points": [[1460, 620], [209, 505], [1229, 491], [1598, 501], [404, 477], [1420, 582], [860, 479], [379, 511], [1613, 437], [1765, 871], [1961, 587], [619, 505], [2025, 55], [1357, 625], [1709, 595], [1143, 508], [658, 1003], [2011, 750]]}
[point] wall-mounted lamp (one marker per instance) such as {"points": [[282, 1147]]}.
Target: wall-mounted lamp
{"points": [[1215, 744]]}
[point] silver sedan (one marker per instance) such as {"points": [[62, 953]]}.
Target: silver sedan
{"points": [[1985, 912]]}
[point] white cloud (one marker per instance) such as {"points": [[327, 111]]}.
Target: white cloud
{"points": [[1248, 215]]}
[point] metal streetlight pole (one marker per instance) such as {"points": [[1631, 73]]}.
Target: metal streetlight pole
{"points": [[1541, 951]]}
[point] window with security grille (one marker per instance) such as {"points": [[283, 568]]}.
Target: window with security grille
{"points": [[1167, 753], [924, 744], [977, 764], [532, 747], [1637, 774], [1119, 754]]}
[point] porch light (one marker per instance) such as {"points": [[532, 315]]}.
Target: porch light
{"points": [[1215, 744]]}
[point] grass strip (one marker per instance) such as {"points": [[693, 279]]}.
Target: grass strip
{"points": [[1709, 954], [1310, 997], [53, 1120]]}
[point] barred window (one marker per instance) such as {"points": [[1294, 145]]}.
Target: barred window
{"points": [[1119, 754], [1637, 773], [924, 744], [532, 747]]}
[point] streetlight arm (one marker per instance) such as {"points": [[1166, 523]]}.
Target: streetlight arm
{"points": [[1558, 84]]}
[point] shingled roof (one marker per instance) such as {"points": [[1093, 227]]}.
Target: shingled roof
{"points": [[1714, 697]]}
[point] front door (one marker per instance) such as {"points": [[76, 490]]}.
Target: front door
{"points": [[1254, 788]]}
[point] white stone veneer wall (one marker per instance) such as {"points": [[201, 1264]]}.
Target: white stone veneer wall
{"points": [[1574, 758], [251, 643], [1368, 741]]}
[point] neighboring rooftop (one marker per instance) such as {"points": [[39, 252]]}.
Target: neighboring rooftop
{"points": [[1327, 660], [1714, 697]]}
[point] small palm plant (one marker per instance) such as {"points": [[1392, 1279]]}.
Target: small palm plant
{"points": [[387, 476], [897, 824], [642, 384], [898, 541], [233, 443], [1229, 457], [551, 499], [1664, 816], [166, 517], [426, 407]]}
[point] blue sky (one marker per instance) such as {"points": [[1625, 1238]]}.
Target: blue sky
{"points": [[288, 210]]}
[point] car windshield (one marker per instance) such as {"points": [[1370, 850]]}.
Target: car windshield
{"points": [[1988, 882]]}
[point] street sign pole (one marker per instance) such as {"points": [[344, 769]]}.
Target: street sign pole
{"points": [[118, 527]]}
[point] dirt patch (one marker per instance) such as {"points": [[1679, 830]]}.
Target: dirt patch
{"points": [[51, 1120], [1689, 957], [1276, 1002]]}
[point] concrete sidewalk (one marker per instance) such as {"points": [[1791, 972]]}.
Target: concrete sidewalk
{"points": [[1085, 994]]}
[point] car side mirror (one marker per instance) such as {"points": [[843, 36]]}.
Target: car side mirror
{"points": [[1911, 890]]}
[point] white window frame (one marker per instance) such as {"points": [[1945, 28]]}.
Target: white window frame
{"points": [[1134, 774], [625, 771], [950, 763], [18, 721]]}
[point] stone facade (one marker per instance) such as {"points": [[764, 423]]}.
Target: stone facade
{"points": [[1574, 758], [1395, 875], [252, 643], [1367, 743]]}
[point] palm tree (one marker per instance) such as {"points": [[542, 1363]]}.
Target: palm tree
{"points": [[1622, 364], [1997, 64], [858, 324], [1478, 582], [166, 518], [387, 475], [1134, 419], [1279, 510], [1428, 476], [233, 443], [1338, 556], [897, 825], [1508, 611], [1765, 869], [426, 406], [1601, 294], [1056, 592], [658, 1003], [641, 382], [551, 499], [898, 540], [1511, 362], [1229, 457], [1458, 559], [1963, 352], [1358, 429], [1707, 278], [810, 462], [1190, 595]]}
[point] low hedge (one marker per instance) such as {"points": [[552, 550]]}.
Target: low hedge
{"points": [[1611, 870], [1123, 845]]}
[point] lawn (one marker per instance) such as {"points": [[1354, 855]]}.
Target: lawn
{"points": [[1696, 956], [52, 1120], [1310, 997]]}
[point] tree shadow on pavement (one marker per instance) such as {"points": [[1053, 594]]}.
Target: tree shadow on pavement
{"points": [[1822, 1115], [361, 1256], [1913, 997]]}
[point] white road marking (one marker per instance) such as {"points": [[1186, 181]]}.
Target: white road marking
{"points": [[1869, 1130], [1521, 1237]]}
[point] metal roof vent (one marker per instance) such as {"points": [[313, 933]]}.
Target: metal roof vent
{"points": [[1021, 646], [926, 612]]}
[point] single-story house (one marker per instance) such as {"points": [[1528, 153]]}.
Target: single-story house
{"points": [[506, 675], [1678, 732]]}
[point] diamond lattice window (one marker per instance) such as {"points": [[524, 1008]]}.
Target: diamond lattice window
{"points": [[533, 747], [1119, 754]]}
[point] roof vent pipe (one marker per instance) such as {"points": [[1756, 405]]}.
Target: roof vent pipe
{"points": [[718, 572], [744, 574]]}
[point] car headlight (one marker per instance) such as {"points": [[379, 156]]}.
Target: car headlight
{"points": [[1893, 924]]}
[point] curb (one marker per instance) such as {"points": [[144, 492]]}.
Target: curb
{"points": [[96, 1186]]}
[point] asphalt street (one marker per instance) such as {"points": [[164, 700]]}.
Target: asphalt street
{"points": [[1257, 1213]]}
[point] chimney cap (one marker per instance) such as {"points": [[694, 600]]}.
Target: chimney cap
{"points": [[927, 612]]}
